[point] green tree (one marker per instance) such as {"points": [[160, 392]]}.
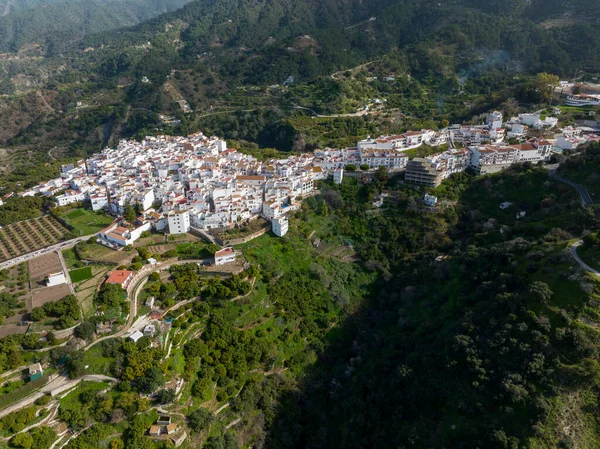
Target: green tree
{"points": [[85, 331], [165, 396], [111, 295], [23, 440], [76, 364], [545, 84], [151, 381], [200, 419], [541, 291], [129, 213], [382, 174]]}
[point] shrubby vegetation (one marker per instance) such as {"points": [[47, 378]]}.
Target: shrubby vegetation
{"points": [[66, 311], [419, 329], [9, 302], [19, 209], [583, 168], [38, 438], [111, 296]]}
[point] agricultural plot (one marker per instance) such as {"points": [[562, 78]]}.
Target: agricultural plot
{"points": [[80, 274], [86, 290], [26, 236], [41, 296], [99, 253], [41, 266], [15, 280], [86, 222]]}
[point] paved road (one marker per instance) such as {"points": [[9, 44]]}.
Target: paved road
{"points": [[61, 382], [585, 266], [586, 198]]}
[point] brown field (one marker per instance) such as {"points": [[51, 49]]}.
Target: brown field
{"points": [[159, 249], [41, 296], [11, 329], [29, 235], [41, 266], [153, 239], [18, 317]]}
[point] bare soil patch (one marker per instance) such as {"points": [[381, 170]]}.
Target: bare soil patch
{"points": [[41, 266], [41, 296]]}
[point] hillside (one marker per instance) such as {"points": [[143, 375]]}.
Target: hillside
{"points": [[228, 60], [10, 6], [57, 24], [494, 344]]}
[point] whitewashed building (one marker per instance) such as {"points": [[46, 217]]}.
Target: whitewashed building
{"points": [[280, 226], [179, 221]]}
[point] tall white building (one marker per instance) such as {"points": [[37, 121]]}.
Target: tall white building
{"points": [[338, 175], [146, 199], [280, 226], [494, 120], [179, 222]]}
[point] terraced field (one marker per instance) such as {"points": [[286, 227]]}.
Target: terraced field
{"points": [[30, 235]]}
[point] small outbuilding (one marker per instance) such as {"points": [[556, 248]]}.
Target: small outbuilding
{"points": [[35, 371], [135, 336], [225, 256]]}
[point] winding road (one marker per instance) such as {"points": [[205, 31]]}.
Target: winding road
{"points": [[586, 198], [59, 384], [134, 289], [585, 266], [62, 382]]}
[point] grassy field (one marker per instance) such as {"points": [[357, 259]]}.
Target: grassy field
{"points": [[97, 363], [100, 253], [86, 222], [424, 151], [81, 274], [86, 290], [195, 250]]}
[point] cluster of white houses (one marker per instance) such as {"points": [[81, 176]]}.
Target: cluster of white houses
{"points": [[177, 183]]}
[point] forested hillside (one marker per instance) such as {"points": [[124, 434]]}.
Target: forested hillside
{"points": [[471, 326], [259, 42], [57, 24], [9, 6], [449, 61], [475, 337]]}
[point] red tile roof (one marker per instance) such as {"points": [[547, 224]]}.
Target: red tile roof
{"points": [[118, 277], [224, 252]]}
